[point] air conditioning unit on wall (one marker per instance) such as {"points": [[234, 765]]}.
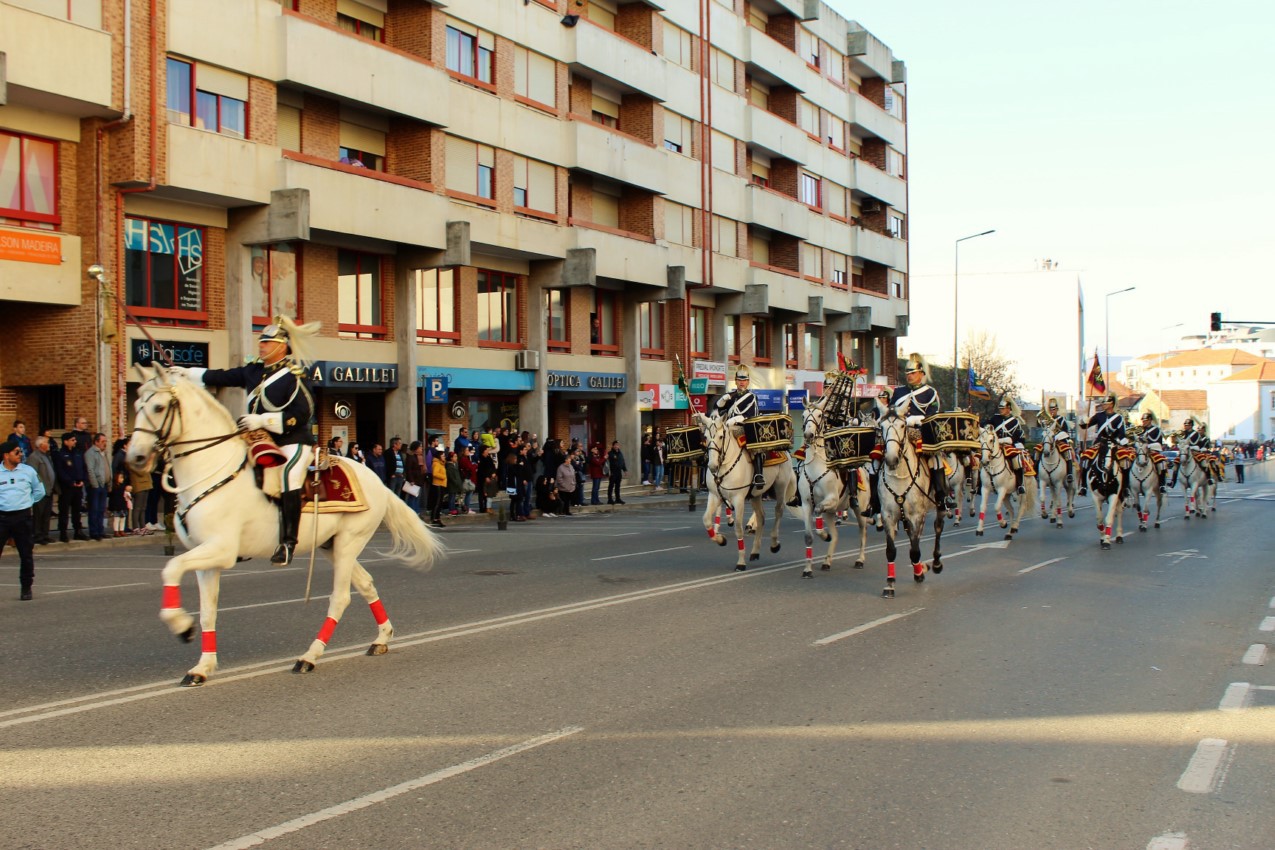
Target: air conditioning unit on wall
{"points": [[527, 361]]}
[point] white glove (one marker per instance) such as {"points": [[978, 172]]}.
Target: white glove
{"points": [[735, 420], [194, 374], [914, 420], [252, 422], [1018, 446]]}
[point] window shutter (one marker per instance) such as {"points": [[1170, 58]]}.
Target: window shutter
{"points": [[543, 189], [220, 81], [369, 12], [462, 165], [361, 138], [289, 128]]}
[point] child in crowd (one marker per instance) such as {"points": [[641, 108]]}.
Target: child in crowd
{"points": [[118, 504]]}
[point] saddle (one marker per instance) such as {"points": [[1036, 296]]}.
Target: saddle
{"points": [[774, 458], [336, 489]]}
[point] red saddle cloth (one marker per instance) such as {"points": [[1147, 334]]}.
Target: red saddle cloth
{"points": [[338, 491]]}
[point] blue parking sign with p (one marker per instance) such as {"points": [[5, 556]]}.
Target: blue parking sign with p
{"points": [[436, 390]]}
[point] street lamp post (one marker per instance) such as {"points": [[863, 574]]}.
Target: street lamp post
{"points": [[1106, 344], [956, 284]]}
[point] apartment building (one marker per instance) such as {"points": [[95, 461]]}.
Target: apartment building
{"points": [[501, 211]]}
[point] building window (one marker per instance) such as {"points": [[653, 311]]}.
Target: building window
{"points": [[606, 106], [699, 332], [362, 138], [808, 117], [535, 77], [361, 20], [603, 12], [603, 334], [678, 132], [557, 320], [834, 130], [535, 185], [894, 162], [810, 190], [732, 338], [28, 181], [813, 345], [164, 272], [725, 236], [722, 68], [436, 306], [207, 98], [276, 283], [723, 151], [808, 47], [790, 346], [469, 51], [761, 341], [811, 260], [471, 168], [498, 309], [758, 94], [893, 103], [894, 224], [651, 330], [679, 223], [840, 265], [358, 287]]}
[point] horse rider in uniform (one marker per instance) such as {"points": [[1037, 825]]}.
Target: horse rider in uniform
{"points": [[1153, 438], [281, 402], [1053, 422], [736, 406], [915, 401], [1110, 427], [1009, 432], [1214, 462]]}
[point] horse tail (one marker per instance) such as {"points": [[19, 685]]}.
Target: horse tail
{"points": [[414, 543]]}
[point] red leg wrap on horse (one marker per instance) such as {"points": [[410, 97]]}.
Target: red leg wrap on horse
{"points": [[378, 611], [1108, 531], [712, 532], [981, 516], [741, 545], [208, 641], [810, 553], [325, 633], [172, 596], [889, 570], [917, 569], [819, 523]]}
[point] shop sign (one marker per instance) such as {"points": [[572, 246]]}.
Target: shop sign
{"points": [[586, 382], [713, 370], [342, 409], [333, 373], [478, 379], [28, 247], [769, 401], [869, 390], [796, 399], [663, 397], [436, 390], [699, 403], [699, 386], [143, 352], [646, 397], [460, 410]]}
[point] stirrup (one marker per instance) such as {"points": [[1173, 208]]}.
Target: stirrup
{"points": [[282, 556], [759, 481]]}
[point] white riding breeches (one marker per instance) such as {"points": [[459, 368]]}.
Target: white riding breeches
{"points": [[297, 467]]}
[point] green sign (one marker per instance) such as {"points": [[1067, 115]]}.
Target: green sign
{"points": [[699, 386]]}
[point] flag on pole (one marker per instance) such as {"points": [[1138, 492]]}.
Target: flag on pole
{"points": [[841, 362], [974, 388], [681, 378], [1095, 383]]}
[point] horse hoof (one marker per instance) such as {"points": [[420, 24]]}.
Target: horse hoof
{"points": [[978, 532], [1105, 545], [1052, 520], [919, 578], [888, 593], [858, 565], [720, 541], [187, 636], [739, 568], [1119, 539], [1009, 536], [938, 568], [825, 566], [825, 537], [808, 573], [193, 680], [774, 548], [378, 649], [1142, 528], [1186, 518], [302, 667], [1071, 514], [753, 556], [1157, 525]]}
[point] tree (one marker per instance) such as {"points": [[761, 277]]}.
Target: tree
{"points": [[995, 371]]}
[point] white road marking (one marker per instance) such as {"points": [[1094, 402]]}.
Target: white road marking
{"points": [[1272, 603], [1201, 774], [1268, 624], [1236, 697], [297, 824], [104, 587], [1041, 564], [1169, 841], [1182, 555], [1256, 654], [635, 554], [860, 629]]}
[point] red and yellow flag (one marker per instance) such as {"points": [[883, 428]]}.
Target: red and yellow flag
{"points": [[1095, 384]]}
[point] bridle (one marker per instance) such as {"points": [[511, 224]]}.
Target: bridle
{"points": [[913, 474], [988, 453], [717, 443]]}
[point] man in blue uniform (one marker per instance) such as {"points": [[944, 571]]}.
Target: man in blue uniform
{"points": [[1054, 422], [736, 406], [20, 489], [915, 401], [1009, 433], [1153, 437], [1110, 427], [281, 402]]}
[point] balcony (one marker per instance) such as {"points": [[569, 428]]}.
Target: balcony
{"points": [[867, 117], [884, 309], [777, 61], [869, 56], [600, 52], [880, 248], [222, 170], [622, 257], [776, 211], [40, 266], [776, 136], [359, 204], [56, 65], [199, 30], [869, 180], [616, 156], [366, 73], [785, 290]]}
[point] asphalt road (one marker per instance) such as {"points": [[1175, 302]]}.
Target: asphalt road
{"points": [[611, 681]]}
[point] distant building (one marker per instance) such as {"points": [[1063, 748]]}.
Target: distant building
{"points": [[1242, 406]]}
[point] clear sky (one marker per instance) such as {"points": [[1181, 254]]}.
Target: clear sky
{"points": [[1131, 141]]}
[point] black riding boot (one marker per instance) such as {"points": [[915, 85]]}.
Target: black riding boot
{"points": [[874, 498], [941, 496], [1159, 468], [1084, 472], [1018, 480], [1069, 468], [1174, 482], [759, 477], [289, 523]]}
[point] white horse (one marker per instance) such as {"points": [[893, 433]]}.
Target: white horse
{"points": [[824, 492], [1051, 477], [223, 516], [1200, 494], [903, 487], [960, 482], [1144, 482], [1108, 483], [730, 474], [998, 476]]}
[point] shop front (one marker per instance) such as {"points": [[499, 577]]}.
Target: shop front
{"points": [[349, 399], [582, 405], [169, 352], [478, 399]]}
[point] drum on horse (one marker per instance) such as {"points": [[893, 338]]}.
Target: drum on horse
{"points": [[730, 476], [824, 492], [904, 490], [1195, 479], [223, 516], [998, 476], [1144, 482], [1051, 477], [1108, 483]]}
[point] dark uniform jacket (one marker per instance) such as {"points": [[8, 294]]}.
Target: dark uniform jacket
{"points": [[1152, 435], [70, 468], [737, 403], [1110, 425], [281, 387], [1007, 427], [922, 400]]}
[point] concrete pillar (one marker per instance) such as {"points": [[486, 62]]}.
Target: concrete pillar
{"points": [[628, 419], [533, 407]]}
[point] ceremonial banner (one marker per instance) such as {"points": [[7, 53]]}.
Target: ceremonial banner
{"points": [[976, 389], [1095, 384]]}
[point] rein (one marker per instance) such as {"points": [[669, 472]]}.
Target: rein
{"points": [[718, 478], [913, 474]]}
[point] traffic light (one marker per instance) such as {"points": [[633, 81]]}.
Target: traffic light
{"points": [[1215, 321]]}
